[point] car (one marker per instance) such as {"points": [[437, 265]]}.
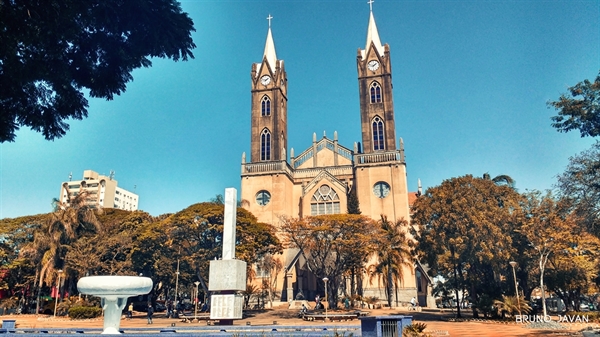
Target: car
{"points": [[584, 306]]}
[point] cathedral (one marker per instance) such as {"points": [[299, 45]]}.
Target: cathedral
{"points": [[318, 180]]}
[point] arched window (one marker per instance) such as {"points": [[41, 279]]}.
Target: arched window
{"points": [[325, 201], [265, 145], [378, 143], [265, 105], [375, 92]]}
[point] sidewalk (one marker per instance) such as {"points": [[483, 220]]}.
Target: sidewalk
{"points": [[436, 323]]}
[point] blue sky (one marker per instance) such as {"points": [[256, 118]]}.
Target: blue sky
{"points": [[471, 81]]}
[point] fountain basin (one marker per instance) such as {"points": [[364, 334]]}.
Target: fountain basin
{"points": [[114, 291]]}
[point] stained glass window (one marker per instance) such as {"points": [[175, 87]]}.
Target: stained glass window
{"points": [[375, 92], [265, 145], [378, 143], [266, 106], [325, 201]]}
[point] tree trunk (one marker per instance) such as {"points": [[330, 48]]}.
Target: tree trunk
{"points": [[542, 265], [389, 283], [456, 288]]}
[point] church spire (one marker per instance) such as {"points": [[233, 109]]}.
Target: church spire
{"points": [[270, 48], [372, 34]]}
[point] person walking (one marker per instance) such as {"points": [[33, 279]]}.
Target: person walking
{"points": [[130, 311], [150, 313]]}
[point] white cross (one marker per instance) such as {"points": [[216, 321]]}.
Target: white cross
{"points": [[270, 17], [370, 2]]}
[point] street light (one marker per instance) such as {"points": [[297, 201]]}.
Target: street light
{"points": [[176, 284], [57, 291], [513, 264], [196, 301], [325, 279]]}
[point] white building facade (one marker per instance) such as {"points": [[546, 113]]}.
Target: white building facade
{"points": [[102, 191]]}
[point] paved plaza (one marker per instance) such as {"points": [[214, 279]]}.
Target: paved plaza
{"points": [[437, 323]]}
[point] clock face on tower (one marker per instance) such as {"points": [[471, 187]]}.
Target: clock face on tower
{"points": [[381, 189], [265, 80], [373, 65]]}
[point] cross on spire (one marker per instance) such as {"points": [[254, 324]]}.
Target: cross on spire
{"points": [[270, 17], [370, 2]]}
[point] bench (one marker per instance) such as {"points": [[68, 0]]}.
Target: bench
{"points": [[330, 317], [191, 319]]}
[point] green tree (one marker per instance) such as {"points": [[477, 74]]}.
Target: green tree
{"points": [[501, 179], [197, 233], [545, 229], [565, 255], [353, 204], [579, 109], [580, 186], [461, 229], [329, 244], [108, 252], [48, 249], [394, 253], [271, 266], [53, 49]]}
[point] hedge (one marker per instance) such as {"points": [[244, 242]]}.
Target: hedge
{"points": [[84, 312]]}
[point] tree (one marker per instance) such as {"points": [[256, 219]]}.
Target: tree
{"points": [[394, 253], [546, 230], [329, 243], [501, 180], [53, 49], [353, 204], [271, 267], [50, 245], [580, 186], [565, 254], [197, 234], [461, 229], [109, 251], [579, 109]]}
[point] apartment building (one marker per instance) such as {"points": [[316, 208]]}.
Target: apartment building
{"points": [[102, 191]]}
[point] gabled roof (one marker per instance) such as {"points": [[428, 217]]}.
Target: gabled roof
{"points": [[324, 175]]}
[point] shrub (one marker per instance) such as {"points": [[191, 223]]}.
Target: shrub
{"points": [[84, 312], [414, 330]]}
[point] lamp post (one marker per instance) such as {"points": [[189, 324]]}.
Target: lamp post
{"points": [[325, 279], [513, 265], [57, 291], [196, 301], [176, 285]]}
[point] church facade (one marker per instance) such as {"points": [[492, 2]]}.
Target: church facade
{"points": [[319, 179]]}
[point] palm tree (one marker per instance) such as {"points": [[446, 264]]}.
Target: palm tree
{"points": [[395, 252], [66, 224], [501, 180], [512, 305]]}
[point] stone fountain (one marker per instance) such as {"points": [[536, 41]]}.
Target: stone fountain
{"points": [[114, 291]]}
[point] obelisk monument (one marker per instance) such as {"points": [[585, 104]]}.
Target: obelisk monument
{"points": [[227, 276]]}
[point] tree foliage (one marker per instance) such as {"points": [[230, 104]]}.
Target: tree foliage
{"points": [[579, 109], [330, 244], [196, 234], [461, 228], [580, 186], [53, 49], [353, 204], [562, 251], [394, 254]]}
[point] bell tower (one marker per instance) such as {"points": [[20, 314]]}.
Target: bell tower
{"points": [[269, 106], [380, 168], [375, 89]]}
